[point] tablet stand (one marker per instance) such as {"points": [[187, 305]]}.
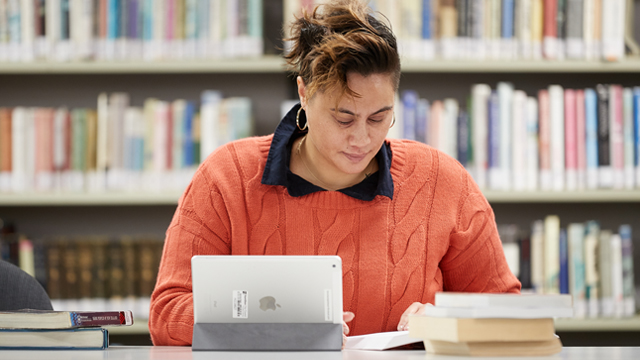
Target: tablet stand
{"points": [[267, 336]]}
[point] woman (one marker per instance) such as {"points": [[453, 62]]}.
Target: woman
{"points": [[406, 219]]}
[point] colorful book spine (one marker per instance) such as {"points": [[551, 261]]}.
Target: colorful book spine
{"points": [[591, 143], [616, 134], [605, 170], [545, 140], [591, 264], [577, 285], [636, 133], [563, 274], [570, 142], [552, 254], [495, 171], [628, 286], [581, 138], [628, 140], [409, 105]]}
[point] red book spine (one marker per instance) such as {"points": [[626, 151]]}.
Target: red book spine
{"points": [[5, 141], [571, 156], [550, 25]]}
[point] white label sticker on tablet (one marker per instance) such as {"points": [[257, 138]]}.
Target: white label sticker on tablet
{"points": [[240, 301], [328, 302]]}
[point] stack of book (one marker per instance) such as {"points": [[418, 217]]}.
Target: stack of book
{"points": [[36, 329], [491, 324]]}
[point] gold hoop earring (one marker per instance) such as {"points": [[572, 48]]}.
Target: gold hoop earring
{"points": [[298, 121], [392, 122]]}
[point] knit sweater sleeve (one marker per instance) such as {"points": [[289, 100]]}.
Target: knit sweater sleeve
{"points": [[200, 225], [475, 260]]}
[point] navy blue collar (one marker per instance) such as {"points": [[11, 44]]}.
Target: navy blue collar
{"points": [[277, 172]]}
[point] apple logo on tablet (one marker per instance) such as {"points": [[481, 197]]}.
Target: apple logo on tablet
{"points": [[268, 303]]}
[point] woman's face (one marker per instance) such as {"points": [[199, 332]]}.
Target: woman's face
{"points": [[345, 139]]}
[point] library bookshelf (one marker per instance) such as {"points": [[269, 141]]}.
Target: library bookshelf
{"points": [[267, 83]]}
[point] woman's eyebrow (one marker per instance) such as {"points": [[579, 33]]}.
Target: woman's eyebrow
{"points": [[345, 111]]}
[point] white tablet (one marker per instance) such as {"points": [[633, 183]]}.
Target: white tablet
{"points": [[267, 289]]}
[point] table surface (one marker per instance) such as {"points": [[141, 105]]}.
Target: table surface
{"points": [[185, 353]]}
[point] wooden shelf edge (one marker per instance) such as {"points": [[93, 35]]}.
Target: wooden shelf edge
{"points": [[139, 327], [562, 196], [171, 198], [276, 64], [598, 324], [91, 199]]}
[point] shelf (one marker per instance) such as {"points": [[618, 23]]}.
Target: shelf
{"points": [[171, 198], [604, 324], [90, 199], [275, 64], [521, 66], [267, 64], [562, 196], [141, 326]]}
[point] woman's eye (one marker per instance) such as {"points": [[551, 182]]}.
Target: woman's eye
{"points": [[376, 120]]}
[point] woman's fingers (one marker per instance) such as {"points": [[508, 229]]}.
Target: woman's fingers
{"points": [[415, 308], [346, 317]]}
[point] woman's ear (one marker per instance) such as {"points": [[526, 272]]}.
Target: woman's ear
{"points": [[301, 91]]}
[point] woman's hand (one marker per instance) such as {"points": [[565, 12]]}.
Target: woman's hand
{"points": [[346, 317], [415, 308]]}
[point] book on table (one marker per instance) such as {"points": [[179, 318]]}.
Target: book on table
{"points": [[43, 319], [94, 338], [475, 324]]}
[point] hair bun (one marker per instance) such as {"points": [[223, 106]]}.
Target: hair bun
{"points": [[311, 34]]}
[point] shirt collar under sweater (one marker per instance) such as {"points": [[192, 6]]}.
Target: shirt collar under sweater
{"points": [[277, 172]]}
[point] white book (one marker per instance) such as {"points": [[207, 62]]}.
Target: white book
{"points": [[102, 143], [577, 287], [178, 108], [449, 128], [524, 28], [480, 96], [30, 149], [520, 144], [501, 300], [18, 149], [4, 32], [505, 95], [588, 29], [380, 341], [556, 119], [607, 307], [613, 22], [552, 254], [52, 26], [628, 139], [59, 139], [499, 312], [591, 274], [616, 135], [149, 114], [82, 28], [532, 152], [617, 276], [27, 31], [156, 50], [161, 133], [217, 20], [537, 256]]}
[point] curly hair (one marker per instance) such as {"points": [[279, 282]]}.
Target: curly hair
{"points": [[336, 39]]}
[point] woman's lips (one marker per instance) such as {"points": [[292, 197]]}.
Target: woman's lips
{"points": [[355, 158]]}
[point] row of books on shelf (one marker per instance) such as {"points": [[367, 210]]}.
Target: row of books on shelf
{"points": [[561, 139], [508, 29], [592, 264], [117, 147], [63, 30], [90, 273]]}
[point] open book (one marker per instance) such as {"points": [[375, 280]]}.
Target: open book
{"points": [[380, 341]]}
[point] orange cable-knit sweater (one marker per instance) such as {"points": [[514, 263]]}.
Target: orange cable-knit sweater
{"points": [[438, 233]]}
